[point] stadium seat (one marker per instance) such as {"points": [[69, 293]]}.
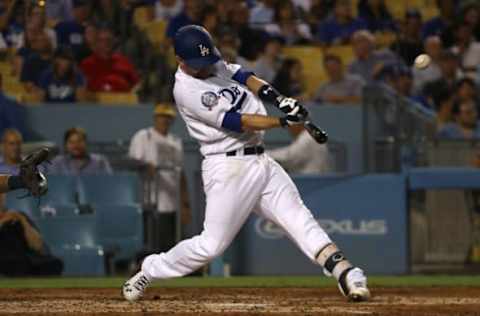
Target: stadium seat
{"points": [[156, 32], [27, 205], [116, 189], [74, 240], [141, 17], [116, 98], [311, 59], [120, 229], [62, 190]]}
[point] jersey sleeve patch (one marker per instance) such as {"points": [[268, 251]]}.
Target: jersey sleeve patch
{"points": [[209, 99]]}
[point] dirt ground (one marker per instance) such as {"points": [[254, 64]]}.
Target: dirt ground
{"points": [[240, 301]]}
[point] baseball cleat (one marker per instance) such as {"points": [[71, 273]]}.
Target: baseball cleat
{"points": [[354, 286], [134, 288]]}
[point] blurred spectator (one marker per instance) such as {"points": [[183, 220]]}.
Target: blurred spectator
{"points": [[62, 82], [262, 13], [375, 13], [37, 62], [71, 32], [24, 252], [36, 16], [26, 50], [59, 10], [441, 24], [162, 152], [340, 88], [399, 78], [12, 20], [466, 90], [269, 62], [88, 45], [287, 26], [250, 40], [319, 10], [76, 159], [465, 125], [409, 42], [443, 103], [289, 78], [433, 48], [209, 20], [226, 9], [470, 13], [107, 70], [12, 114], [339, 27], [228, 44], [467, 48], [303, 155], [167, 9], [450, 74], [12, 142], [191, 14], [368, 62]]}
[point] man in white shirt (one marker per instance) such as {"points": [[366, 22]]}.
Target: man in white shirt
{"points": [[304, 155], [165, 181]]}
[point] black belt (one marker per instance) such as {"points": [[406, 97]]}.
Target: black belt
{"points": [[257, 150]]}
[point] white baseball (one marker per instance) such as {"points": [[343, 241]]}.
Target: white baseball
{"points": [[422, 61]]}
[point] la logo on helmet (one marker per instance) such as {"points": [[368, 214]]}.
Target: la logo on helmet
{"points": [[204, 51]]}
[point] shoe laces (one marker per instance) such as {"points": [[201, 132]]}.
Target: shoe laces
{"points": [[141, 283]]}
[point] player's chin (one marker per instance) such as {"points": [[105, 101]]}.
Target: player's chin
{"points": [[205, 72]]}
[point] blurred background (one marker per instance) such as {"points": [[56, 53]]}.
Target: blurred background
{"points": [[395, 84]]}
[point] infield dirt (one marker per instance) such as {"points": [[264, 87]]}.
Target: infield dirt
{"points": [[240, 301]]}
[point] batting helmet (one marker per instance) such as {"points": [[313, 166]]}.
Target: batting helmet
{"points": [[195, 46]]}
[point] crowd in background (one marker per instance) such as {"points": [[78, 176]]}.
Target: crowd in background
{"points": [[68, 50]]}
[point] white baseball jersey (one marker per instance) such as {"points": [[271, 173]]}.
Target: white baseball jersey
{"points": [[161, 151], [203, 105]]}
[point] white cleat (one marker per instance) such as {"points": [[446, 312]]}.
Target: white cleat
{"points": [[355, 286], [134, 287]]}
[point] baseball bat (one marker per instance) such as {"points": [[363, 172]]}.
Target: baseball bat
{"points": [[319, 135]]}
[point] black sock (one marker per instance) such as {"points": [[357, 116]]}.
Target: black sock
{"points": [[15, 182]]}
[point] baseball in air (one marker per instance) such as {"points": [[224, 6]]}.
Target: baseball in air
{"points": [[422, 61]]}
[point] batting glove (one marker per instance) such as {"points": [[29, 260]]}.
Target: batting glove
{"points": [[295, 116]]}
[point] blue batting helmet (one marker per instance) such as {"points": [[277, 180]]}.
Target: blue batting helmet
{"points": [[195, 46]]}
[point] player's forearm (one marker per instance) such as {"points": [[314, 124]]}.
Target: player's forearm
{"points": [[254, 84], [254, 122]]}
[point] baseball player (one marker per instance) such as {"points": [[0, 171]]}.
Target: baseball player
{"points": [[29, 177], [222, 106]]}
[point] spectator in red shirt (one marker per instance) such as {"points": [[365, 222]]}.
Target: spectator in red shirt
{"points": [[106, 70]]}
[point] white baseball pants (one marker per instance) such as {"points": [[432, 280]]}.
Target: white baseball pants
{"points": [[234, 187]]}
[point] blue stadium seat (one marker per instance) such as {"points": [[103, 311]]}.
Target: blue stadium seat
{"points": [[27, 205], [62, 190], [74, 240], [109, 189], [120, 229]]}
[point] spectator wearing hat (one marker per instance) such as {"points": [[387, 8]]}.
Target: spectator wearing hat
{"points": [[270, 60], [441, 24], [107, 70], [76, 160], [340, 88], [62, 82], [71, 32], [409, 43], [162, 154]]}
